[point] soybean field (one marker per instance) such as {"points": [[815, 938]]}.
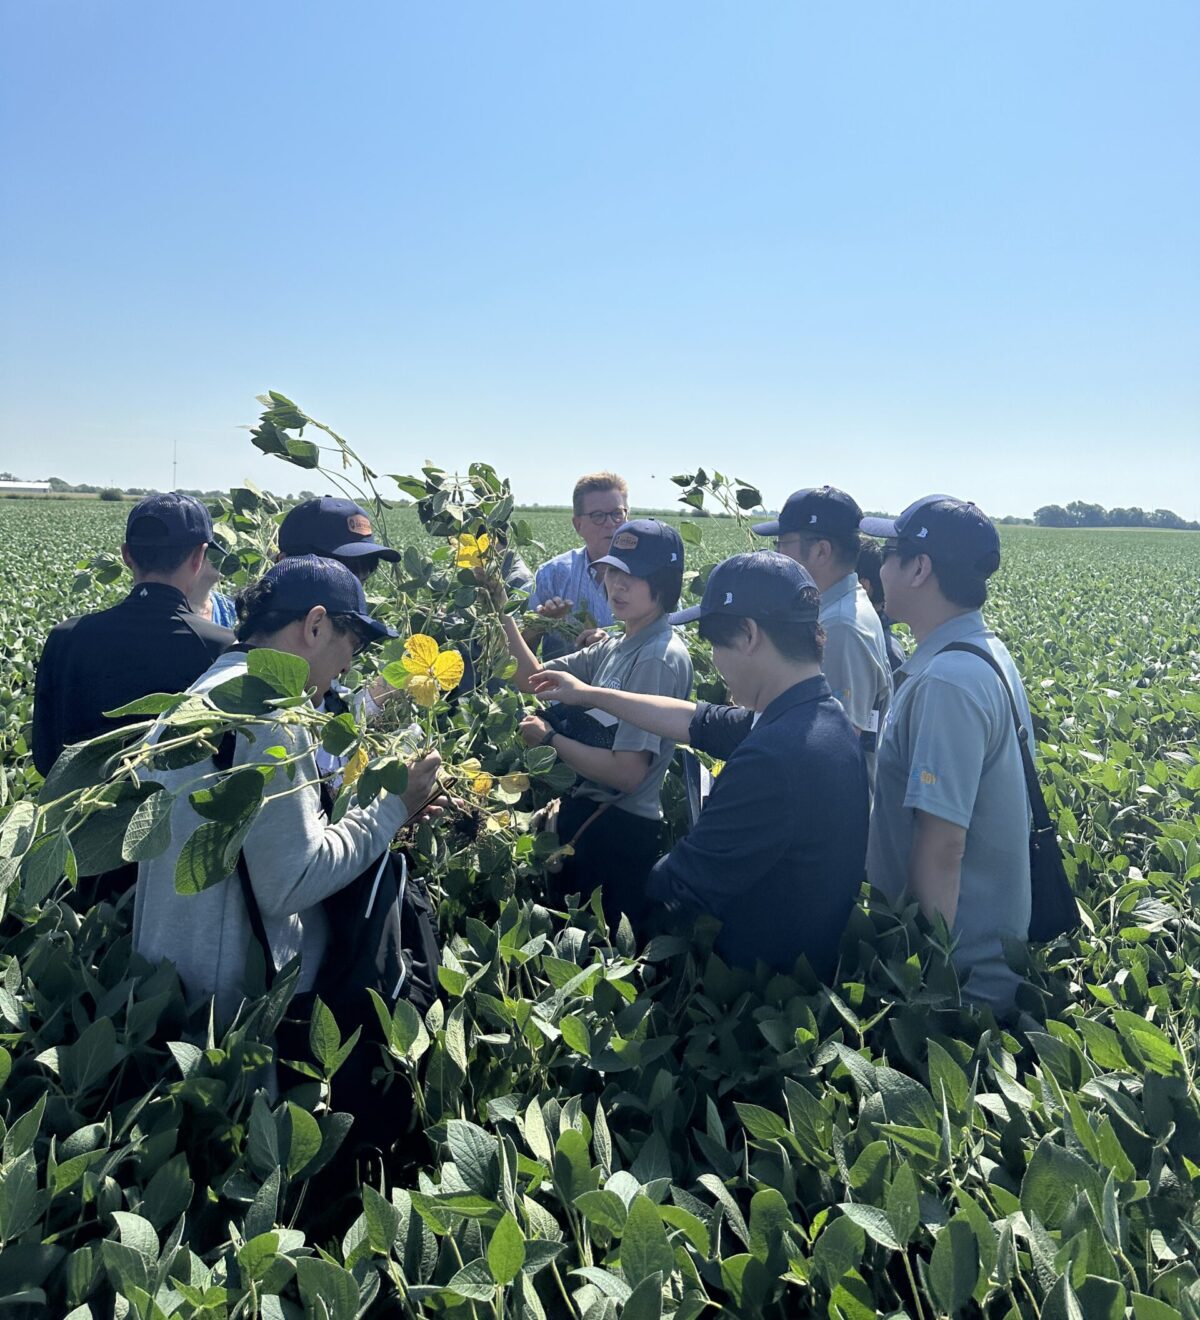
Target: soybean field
{"points": [[609, 1132]]}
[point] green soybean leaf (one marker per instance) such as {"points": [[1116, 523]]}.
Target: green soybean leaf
{"points": [[286, 673], [954, 1265], [903, 1209], [506, 1250], [645, 1248], [473, 1281], [1053, 1179], [475, 1156], [603, 1208], [306, 1139], [645, 1302], [838, 1250], [875, 1222]]}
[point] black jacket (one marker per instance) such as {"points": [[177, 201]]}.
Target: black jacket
{"points": [[779, 851], [151, 642]]}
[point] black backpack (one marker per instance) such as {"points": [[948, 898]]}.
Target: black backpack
{"points": [[1053, 909], [381, 937]]}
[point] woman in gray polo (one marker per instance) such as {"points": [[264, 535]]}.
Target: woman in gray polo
{"points": [[613, 816]]}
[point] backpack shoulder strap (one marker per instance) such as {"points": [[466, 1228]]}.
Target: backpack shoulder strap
{"points": [[1037, 802], [222, 758]]}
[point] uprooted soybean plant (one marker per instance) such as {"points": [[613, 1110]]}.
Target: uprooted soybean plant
{"points": [[603, 1131]]}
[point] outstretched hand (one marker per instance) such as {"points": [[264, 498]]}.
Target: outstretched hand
{"points": [[557, 607], [555, 685]]}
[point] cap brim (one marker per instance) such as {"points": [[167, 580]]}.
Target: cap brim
{"points": [[379, 632], [885, 527], [766, 529], [357, 549], [690, 615], [616, 563]]}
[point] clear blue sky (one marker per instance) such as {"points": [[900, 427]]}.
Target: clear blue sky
{"points": [[899, 248]]}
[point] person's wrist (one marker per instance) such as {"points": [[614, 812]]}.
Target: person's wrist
{"points": [[549, 737]]}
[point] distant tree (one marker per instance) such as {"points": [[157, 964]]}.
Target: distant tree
{"points": [[1166, 518], [9, 476], [1131, 517], [112, 494], [1052, 515], [1086, 515]]}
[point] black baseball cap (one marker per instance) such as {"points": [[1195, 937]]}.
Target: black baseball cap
{"points": [[643, 546], [302, 581], [941, 525], [329, 526], [761, 585], [168, 520], [820, 509]]}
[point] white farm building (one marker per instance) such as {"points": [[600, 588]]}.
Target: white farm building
{"points": [[24, 487]]}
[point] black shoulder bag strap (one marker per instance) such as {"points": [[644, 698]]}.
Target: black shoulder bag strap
{"points": [[223, 760], [1053, 909], [1037, 802]]}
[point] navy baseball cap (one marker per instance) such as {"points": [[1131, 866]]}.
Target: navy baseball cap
{"points": [[817, 510], [171, 520], [761, 585], [943, 525], [643, 546], [302, 581], [329, 526]]}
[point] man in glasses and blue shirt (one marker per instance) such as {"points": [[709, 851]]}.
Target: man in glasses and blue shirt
{"points": [[950, 820], [818, 528], [569, 583]]}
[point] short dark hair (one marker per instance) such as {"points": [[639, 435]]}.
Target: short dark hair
{"points": [[257, 618], [870, 561], [801, 643], [164, 559], [962, 584], [846, 545], [665, 585]]}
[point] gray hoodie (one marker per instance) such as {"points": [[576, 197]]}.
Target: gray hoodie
{"points": [[295, 858]]}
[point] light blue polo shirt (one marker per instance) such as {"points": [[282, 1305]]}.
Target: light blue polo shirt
{"points": [[856, 660], [949, 748], [656, 662], [569, 576]]}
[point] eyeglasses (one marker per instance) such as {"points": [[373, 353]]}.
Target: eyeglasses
{"points": [[362, 638], [614, 516]]}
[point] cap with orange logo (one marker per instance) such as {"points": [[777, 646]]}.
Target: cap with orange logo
{"points": [[333, 528]]}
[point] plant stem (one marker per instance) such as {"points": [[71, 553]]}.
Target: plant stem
{"points": [[912, 1283]]}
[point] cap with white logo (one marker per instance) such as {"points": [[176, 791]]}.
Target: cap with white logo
{"points": [[813, 511], [765, 585], [947, 528]]}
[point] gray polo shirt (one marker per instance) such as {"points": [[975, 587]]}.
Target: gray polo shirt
{"points": [[949, 748], [856, 659], [655, 662]]}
